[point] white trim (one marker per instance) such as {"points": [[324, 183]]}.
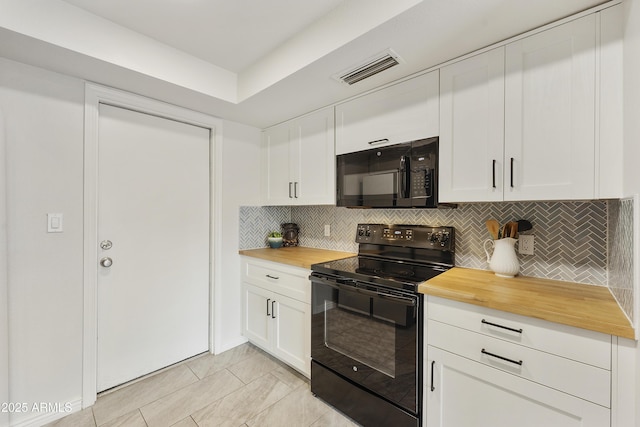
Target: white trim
{"points": [[94, 96]]}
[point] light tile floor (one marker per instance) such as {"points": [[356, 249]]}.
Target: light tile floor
{"points": [[242, 387]]}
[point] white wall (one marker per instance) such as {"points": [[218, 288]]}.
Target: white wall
{"points": [[44, 133], [43, 115], [241, 187]]}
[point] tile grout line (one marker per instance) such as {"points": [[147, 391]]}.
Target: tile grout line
{"points": [[143, 418]]}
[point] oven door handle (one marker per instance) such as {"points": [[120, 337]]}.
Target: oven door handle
{"points": [[352, 288]]}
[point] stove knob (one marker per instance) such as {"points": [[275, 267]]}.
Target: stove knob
{"points": [[368, 233], [361, 232]]}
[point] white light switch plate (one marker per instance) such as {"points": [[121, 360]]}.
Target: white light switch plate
{"points": [[54, 223], [327, 230]]}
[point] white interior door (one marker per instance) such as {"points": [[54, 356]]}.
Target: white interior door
{"points": [[153, 206]]}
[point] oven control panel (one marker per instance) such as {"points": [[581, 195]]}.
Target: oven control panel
{"points": [[417, 236]]}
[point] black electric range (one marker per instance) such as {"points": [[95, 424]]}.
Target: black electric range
{"points": [[367, 322]]}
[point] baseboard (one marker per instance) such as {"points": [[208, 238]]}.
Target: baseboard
{"points": [[229, 345], [38, 418]]}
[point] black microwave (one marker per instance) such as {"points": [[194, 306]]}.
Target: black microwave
{"points": [[397, 176]]}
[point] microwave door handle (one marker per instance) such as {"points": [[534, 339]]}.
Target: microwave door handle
{"points": [[405, 171]]}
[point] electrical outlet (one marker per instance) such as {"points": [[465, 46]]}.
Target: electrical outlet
{"points": [[327, 230], [525, 244]]}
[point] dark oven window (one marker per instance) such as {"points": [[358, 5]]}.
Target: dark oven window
{"points": [[351, 327]]}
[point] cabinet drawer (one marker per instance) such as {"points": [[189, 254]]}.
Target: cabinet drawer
{"points": [[585, 346], [289, 281], [575, 378]]}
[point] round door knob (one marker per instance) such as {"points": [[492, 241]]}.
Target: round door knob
{"points": [[106, 262]]}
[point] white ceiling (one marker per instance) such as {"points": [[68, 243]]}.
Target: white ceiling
{"points": [[257, 62], [230, 33]]}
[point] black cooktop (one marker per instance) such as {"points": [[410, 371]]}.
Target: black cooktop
{"points": [[389, 273], [396, 256]]}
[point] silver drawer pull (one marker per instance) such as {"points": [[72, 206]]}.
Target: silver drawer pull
{"points": [[378, 141], [506, 359], [502, 327], [272, 277]]}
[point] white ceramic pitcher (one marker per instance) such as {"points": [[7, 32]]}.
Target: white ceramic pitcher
{"points": [[504, 261]]}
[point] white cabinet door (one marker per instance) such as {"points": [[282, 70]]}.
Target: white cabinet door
{"points": [[298, 159], [277, 184], [257, 315], [463, 393], [550, 114], [400, 113], [292, 334], [610, 138], [277, 311], [314, 165], [472, 129]]}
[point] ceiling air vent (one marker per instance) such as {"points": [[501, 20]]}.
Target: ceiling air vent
{"points": [[371, 67]]}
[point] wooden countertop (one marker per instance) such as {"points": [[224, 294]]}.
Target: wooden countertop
{"points": [[574, 304], [297, 256]]}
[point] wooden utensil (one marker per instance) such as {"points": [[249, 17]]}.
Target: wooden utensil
{"points": [[494, 228], [513, 229], [504, 231]]}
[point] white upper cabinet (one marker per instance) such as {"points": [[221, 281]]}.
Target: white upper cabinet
{"points": [[550, 113], [472, 128], [520, 122], [609, 140], [298, 159], [276, 160], [400, 113], [315, 163]]}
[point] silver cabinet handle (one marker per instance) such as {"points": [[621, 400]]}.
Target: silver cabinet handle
{"points": [[295, 189], [106, 262], [378, 141], [290, 196]]}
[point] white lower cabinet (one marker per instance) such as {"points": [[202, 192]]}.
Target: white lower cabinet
{"points": [[279, 324], [469, 394], [489, 368]]}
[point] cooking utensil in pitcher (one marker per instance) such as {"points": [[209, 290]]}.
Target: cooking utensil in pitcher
{"points": [[494, 228]]}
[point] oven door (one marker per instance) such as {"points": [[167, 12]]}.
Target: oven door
{"points": [[369, 335]]}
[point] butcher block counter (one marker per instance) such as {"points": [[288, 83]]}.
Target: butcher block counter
{"points": [[574, 304], [296, 256]]}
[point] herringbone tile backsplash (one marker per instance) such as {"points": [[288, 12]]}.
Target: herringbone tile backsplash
{"points": [[573, 240], [620, 249]]}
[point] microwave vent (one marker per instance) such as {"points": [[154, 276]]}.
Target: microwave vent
{"points": [[370, 68]]}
